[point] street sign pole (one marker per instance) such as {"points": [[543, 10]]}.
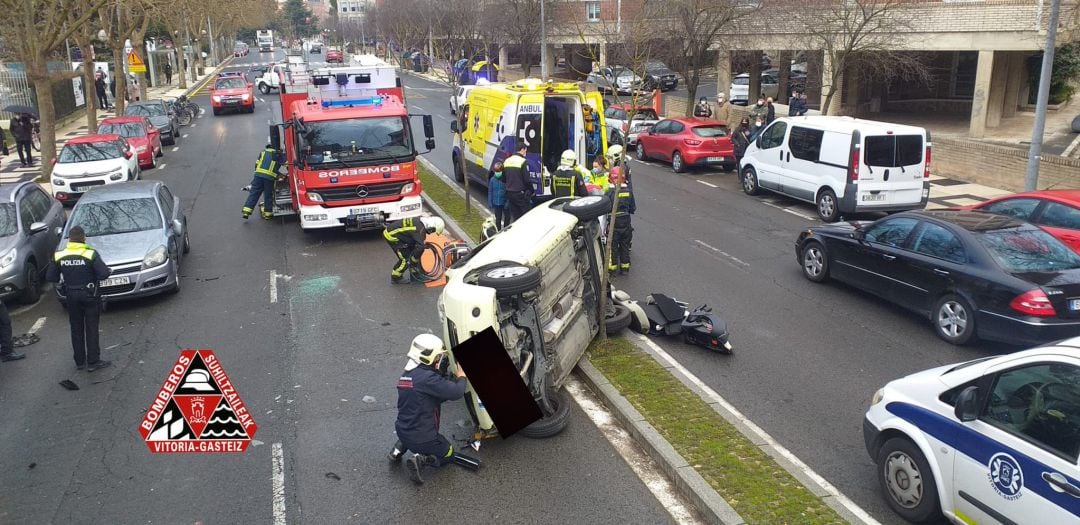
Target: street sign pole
{"points": [[1031, 179]]}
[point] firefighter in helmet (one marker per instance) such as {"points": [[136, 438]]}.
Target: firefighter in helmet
{"points": [[406, 237], [422, 388], [569, 178]]}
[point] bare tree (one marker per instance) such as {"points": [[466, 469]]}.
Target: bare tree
{"points": [[519, 22], [84, 37], [398, 22], [122, 20]]}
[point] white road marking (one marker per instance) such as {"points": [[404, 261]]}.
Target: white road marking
{"points": [[261, 100], [725, 254], [193, 125], [643, 466], [37, 325], [185, 135], [859, 513], [161, 166], [277, 469], [789, 210], [273, 286], [176, 148], [709, 184]]}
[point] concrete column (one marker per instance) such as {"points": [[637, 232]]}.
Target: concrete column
{"points": [[980, 102], [826, 85], [1014, 81], [996, 98], [602, 55], [755, 77], [723, 72], [784, 91], [504, 56], [550, 60], [851, 105]]}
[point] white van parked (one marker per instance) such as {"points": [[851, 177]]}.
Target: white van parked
{"points": [[843, 165]]}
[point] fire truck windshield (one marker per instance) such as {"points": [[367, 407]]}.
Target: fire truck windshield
{"points": [[357, 140]]}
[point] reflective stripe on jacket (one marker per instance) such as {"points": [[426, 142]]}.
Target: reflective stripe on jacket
{"points": [[267, 164], [410, 228]]}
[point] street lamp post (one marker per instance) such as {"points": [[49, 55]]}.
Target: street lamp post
{"points": [[1031, 179], [543, 44]]}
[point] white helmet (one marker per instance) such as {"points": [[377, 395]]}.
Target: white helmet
{"points": [[569, 158], [434, 225], [426, 349], [615, 152]]}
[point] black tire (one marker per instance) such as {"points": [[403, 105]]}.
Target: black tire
{"points": [[187, 241], [588, 208], [175, 288], [264, 88], [554, 423], [729, 167], [458, 174], [217, 112], [814, 262], [170, 140], [509, 278], [953, 319], [828, 208], [641, 152], [618, 321], [32, 292], [907, 482], [677, 163], [750, 182]]}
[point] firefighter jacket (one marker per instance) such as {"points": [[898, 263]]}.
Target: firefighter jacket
{"points": [[569, 181], [408, 230], [421, 391], [267, 165], [627, 207]]}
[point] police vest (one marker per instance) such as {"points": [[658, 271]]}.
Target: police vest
{"points": [[563, 182], [267, 165]]}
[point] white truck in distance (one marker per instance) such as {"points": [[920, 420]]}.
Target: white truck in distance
{"points": [[265, 39]]}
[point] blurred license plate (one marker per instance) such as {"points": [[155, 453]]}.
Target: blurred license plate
{"points": [[716, 159], [870, 197], [114, 281], [366, 210], [1074, 304]]}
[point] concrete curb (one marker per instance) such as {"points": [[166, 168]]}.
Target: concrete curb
{"points": [[450, 222], [688, 483]]}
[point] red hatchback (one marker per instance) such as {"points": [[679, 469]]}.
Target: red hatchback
{"points": [[335, 55], [688, 142], [140, 134], [1056, 211]]}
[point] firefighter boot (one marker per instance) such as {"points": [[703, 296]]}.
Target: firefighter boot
{"points": [[395, 455], [417, 462], [266, 214], [467, 462], [247, 212], [624, 268]]}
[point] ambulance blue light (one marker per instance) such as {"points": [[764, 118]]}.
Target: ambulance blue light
{"points": [[352, 102]]}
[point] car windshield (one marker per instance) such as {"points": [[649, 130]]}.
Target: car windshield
{"points": [[8, 225], [740, 81], [127, 130], [115, 217], [625, 73], [710, 131], [145, 110], [89, 152], [357, 140], [645, 114], [649, 66], [1023, 250], [230, 83]]}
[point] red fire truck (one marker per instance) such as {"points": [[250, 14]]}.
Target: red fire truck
{"points": [[350, 147]]}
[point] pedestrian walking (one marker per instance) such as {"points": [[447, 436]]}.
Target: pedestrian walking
{"points": [[497, 197], [99, 87], [619, 258], [758, 115], [422, 389], [112, 87], [168, 72], [7, 345], [22, 130], [770, 115], [519, 186], [262, 183], [406, 238], [740, 140], [702, 109], [79, 268], [723, 110]]}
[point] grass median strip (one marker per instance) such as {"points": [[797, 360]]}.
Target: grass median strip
{"points": [[760, 490], [451, 202]]}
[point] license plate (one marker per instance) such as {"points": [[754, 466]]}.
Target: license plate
{"points": [[114, 281], [366, 210], [716, 159], [870, 197], [1074, 304]]}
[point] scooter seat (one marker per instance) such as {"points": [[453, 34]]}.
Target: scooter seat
{"points": [[658, 323], [670, 310]]}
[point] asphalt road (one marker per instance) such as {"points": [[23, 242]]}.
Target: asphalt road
{"points": [[808, 356], [316, 369]]}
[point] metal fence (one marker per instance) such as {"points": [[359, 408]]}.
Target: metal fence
{"points": [[14, 89]]}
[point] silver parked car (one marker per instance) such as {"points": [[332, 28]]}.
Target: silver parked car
{"points": [[140, 232], [30, 226]]}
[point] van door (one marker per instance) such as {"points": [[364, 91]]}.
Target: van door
{"points": [[595, 100], [798, 176], [892, 171], [768, 160]]}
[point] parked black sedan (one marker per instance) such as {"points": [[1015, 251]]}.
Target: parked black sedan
{"points": [[973, 274]]}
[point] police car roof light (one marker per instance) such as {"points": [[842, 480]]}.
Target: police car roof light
{"points": [[352, 102]]}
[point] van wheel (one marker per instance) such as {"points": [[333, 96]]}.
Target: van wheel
{"points": [[509, 278], [827, 207], [749, 181], [553, 423], [907, 481], [677, 163], [588, 208], [458, 175], [641, 152], [264, 88], [954, 319]]}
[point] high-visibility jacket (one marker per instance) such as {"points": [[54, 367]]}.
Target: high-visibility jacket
{"points": [[409, 229], [600, 180], [569, 181], [79, 264], [267, 164], [627, 206], [516, 174]]}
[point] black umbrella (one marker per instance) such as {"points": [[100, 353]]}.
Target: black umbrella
{"points": [[19, 108]]}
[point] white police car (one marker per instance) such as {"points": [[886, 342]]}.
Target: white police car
{"points": [[994, 440]]}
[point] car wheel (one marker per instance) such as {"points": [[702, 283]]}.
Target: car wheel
{"points": [[153, 160], [618, 321], [175, 288], [554, 422], [677, 164], [954, 319], [187, 241], [217, 112], [509, 278], [32, 292], [160, 153], [749, 181], [907, 481], [815, 263], [827, 206], [264, 88], [641, 151], [589, 207], [458, 174]]}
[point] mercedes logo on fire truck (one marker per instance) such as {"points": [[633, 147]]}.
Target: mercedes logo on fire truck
{"points": [[361, 191]]}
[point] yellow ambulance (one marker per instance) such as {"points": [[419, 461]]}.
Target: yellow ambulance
{"points": [[548, 117]]}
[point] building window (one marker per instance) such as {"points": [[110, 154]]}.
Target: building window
{"points": [[592, 11], [344, 9]]}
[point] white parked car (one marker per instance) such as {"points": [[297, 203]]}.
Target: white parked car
{"points": [[616, 79], [626, 121], [994, 440], [92, 160], [459, 98], [740, 88]]}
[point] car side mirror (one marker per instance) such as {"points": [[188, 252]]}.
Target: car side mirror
{"points": [[967, 406], [127, 154], [59, 231], [454, 127], [858, 235], [178, 227], [429, 144], [38, 227]]}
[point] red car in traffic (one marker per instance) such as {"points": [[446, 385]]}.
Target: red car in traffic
{"points": [[688, 142], [143, 137], [232, 92], [1056, 211], [335, 55]]}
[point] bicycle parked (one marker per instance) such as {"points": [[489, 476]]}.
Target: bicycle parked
{"points": [[185, 110]]}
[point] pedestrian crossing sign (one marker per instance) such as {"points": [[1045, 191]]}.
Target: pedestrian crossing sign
{"points": [[135, 64], [197, 409]]}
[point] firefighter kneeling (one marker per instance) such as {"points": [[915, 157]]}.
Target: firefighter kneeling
{"points": [[406, 238], [569, 178], [619, 259]]}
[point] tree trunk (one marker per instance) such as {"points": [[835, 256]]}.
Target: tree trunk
{"points": [[119, 100], [85, 44], [179, 69], [47, 114], [692, 82]]}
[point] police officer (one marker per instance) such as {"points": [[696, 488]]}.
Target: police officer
{"points": [[266, 173], [422, 388], [406, 237], [569, 178], [519, 187], [619, 259], [82, 269]]}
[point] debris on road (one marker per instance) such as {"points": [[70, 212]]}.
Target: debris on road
{"points": [[68, 384]]}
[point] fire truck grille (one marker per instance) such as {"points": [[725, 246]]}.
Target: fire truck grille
{"points": [[361, 191]]}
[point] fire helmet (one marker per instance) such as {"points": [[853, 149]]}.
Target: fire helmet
{"points": [[426, 349], [434, 225], [569, 158]]}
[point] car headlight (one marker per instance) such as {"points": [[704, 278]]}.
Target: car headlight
{"points": [[246, 96], [217, 98], [58, 182], [877, 397], [8, 259], [314, 197], [155, 257]]}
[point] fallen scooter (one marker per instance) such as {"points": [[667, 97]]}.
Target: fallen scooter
{"points": [[699, 326]]}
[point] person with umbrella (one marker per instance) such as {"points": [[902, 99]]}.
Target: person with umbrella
{"points": [[22, 129]]}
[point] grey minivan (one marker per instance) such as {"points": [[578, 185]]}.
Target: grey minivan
{"points": [[140, 232], [30, 226]]}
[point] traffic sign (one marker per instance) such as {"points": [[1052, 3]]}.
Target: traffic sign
{"points": [[135, 64]]}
